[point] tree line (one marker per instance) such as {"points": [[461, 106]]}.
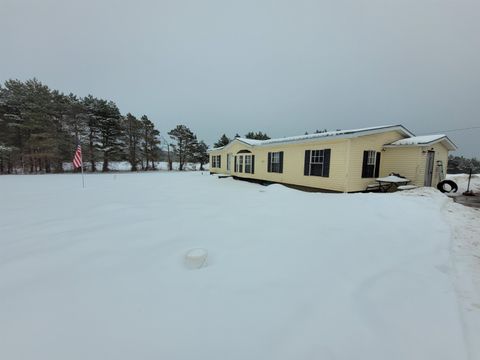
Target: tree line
{"points": [[462, 165], [225, 140], [40, 128]]}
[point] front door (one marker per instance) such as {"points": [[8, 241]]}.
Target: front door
{"points": [[229, 163], [429, 168]]}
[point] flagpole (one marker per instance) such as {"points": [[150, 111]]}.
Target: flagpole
{"points": [[79, 157], [83, 178]]}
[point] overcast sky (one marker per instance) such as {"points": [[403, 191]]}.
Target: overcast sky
{"points": [[282, 67]]}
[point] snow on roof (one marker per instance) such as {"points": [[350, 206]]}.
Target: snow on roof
{"points": [[424, 140], [419, 140], [337, 133], [316, 135]]}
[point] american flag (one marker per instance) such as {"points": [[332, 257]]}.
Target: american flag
{"points": [[77, 159]]}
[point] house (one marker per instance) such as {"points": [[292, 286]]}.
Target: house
{"points": [[339, 161]]}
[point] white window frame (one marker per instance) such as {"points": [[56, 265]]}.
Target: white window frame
{"points": [[372, 157], [239, 164], [249, 163], [317, 157], [275, 162], [215, 161], [275, 157]]}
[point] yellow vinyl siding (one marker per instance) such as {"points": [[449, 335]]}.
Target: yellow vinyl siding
{"points": [[411, 162], [293, 164], [357, 147], [407, 162], [441, 153], [223, 162]]}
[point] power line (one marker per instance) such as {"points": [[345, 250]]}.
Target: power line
{"points": [[469, 128]]}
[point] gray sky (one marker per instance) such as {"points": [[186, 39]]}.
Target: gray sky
{"points": [[282, 67]]}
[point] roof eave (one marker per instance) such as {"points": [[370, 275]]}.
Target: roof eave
{"points": [[342, 136], [449, 144], [378, 130]]}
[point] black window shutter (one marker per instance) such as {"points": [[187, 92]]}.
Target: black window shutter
{"points": [[365, 166], [269, 164], [235, 168], [326, 162], [219, 161], [253, 164], [377, 164], [306, 166], [281, 162]]}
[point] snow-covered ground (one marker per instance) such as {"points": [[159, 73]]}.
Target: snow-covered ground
{"points": [[125, 166], [462, 182], [99, 273]]}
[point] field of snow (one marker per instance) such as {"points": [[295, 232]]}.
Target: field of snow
{"points": [[125, 166], [99, 273], [462, 182]]}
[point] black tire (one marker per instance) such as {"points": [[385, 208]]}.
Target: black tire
{"points": [[447, 186]]}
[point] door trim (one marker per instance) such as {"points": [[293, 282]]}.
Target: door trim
{"points": [[429, 165]]}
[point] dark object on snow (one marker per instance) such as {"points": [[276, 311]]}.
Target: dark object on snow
{"points": [[397, 175], [447, 186], [469, 192]]}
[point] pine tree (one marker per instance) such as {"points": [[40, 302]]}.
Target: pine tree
{"points": [[42, 120], [184, 139], [110, 131], [257, 135], [90, 104], [13, 99], [133, 133], [150, 143], [200, 154], [73, 124], [223, 141]]}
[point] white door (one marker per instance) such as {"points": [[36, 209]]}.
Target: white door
{"points": [[229, 163], [429, 168]]}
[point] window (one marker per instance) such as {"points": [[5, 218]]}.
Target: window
{"points": [[371, 157], [216, 162], [245, 164], [371, 164], [317, 162], [248, 164], [239, 163], [275, 162]]}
